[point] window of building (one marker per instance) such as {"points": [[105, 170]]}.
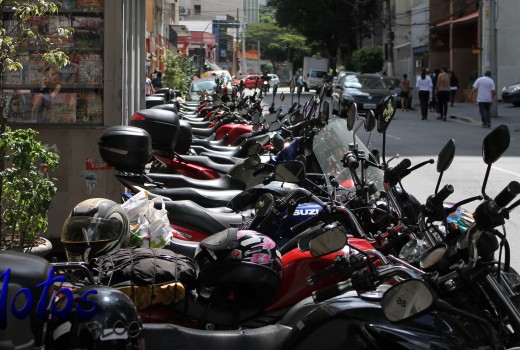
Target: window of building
{"points": [[73, 94], [196, 8]]}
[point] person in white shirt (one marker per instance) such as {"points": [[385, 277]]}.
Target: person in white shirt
{"points": [[485, 89], [424, 87]]}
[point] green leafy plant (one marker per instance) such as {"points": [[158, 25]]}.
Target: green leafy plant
{"points": [[368, 60], [178, 71], [26, 187]]}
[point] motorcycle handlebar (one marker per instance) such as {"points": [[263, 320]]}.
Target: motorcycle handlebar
{"points": [[507, 194], [321, 275], [441, 196], [394, 173], [331, 291]]}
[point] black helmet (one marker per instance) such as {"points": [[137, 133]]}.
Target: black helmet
{"points": [[113, 322], [242, 261], [95, 227]]}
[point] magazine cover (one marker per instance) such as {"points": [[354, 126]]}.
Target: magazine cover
{"points": [[63, 108], [89, 108], [91, 69], [18, 106]]}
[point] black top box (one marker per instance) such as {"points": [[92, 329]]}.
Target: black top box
{"points": [[162, 125], [126, 148]]}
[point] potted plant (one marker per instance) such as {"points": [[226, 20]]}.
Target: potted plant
{"points": [[27, 190]]}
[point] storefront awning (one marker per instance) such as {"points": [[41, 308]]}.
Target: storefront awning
{"points": [[466, 18]]}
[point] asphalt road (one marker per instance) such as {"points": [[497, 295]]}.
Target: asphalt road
{"points": [[410, 137]]}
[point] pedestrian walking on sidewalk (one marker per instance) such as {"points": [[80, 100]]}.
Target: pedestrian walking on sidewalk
{"points": [[404, 85], [485, 89], [424, 87], [442, 91], [454, 86]]}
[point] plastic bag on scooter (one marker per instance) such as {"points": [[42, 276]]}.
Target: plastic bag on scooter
{"points": [[150, 226]]}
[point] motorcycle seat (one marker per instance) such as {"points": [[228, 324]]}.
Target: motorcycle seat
{"points": [[207, 163], [189, 214], [268, 337], [177, 181], [206, 132], [204, 142], [205, 198]]}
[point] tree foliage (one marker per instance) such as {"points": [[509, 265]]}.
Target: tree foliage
{"points": [[276, 43], [368, 60], [329, 25], [178, 71], [26, 187]]}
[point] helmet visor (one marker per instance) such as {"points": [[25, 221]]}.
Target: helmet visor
{"points": [[86, 229]]}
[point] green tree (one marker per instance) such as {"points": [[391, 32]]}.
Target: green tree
{"points": [[178, 71], [330, 26], [368, 60], [276, 43], [26, 190]]}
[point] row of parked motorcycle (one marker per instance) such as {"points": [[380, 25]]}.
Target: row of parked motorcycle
{"points": [[288, 233]]}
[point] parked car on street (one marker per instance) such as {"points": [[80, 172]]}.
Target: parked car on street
{"points": [[366, 90], [274, 80], [511, 94], [250, 81], [198, 86], [393, 85]]}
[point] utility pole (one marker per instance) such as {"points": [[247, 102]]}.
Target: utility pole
{"points": [[389, 40], [489, 44], [235, 47]]}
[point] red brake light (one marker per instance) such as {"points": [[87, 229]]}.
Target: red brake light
{"points": [[138, 116]]}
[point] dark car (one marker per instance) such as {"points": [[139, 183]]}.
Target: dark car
{"points": [[511, 94], [393, 85], [366, 90]]}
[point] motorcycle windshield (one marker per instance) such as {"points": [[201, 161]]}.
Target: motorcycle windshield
{"points": [[330, 145]]}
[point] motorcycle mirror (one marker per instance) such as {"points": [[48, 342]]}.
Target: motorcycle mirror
{"points": [[292, 85], [290, 171], [278, 143], [385, 113], [243, 111], [325, 112], [264, 204], [351, 116], [217, 103], [446, 156], [271, 118], [255, 148], [282, 96], [495, 144], [275, 126], [370, 121], [407, 300], [251, 162], [328, 242]]}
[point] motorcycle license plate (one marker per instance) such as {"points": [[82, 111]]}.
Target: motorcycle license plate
{"points": [[369, 106]]}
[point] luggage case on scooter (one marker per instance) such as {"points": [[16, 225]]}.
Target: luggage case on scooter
{"points": [[126, 148], [162, 125], [149, 276]]}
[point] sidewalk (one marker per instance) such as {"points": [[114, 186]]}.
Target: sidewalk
{"points": [[506, 114]]}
